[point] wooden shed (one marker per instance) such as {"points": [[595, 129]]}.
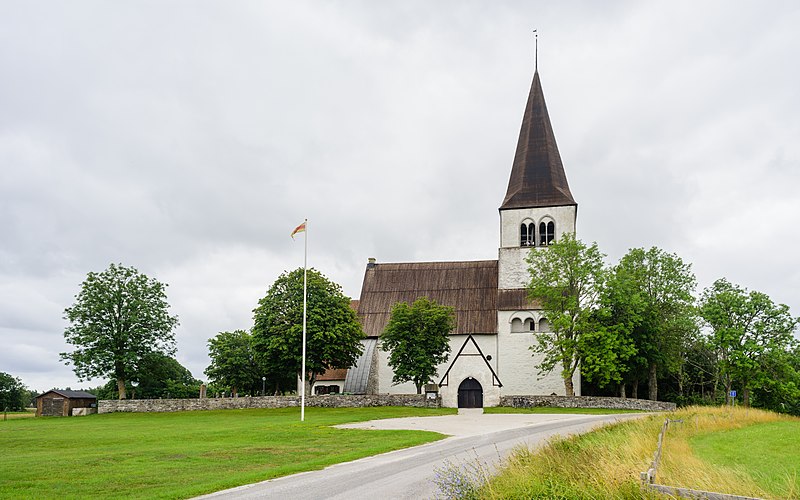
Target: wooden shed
{"points": [[58, 403]]}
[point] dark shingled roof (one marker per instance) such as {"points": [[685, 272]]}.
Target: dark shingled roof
{"points": [[332, 374], [537, 175], [469, 287], [515, 299], [71, 394]]}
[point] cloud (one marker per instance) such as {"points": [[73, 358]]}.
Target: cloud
{"points": [[188, 141]]}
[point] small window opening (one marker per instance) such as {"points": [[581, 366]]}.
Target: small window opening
{"points": [[526, 235]]}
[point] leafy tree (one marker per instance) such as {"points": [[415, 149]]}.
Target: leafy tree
{"points": [[566, 279], [161, 376], [417, 338], [333, 332], [13, 394], [605, 351], [158, 376], [650, 294], [749, 332], [118, 318], [233, 362], [778, 385]]}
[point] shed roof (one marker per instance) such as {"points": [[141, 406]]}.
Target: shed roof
{"points": [[469, 287], [332, 374], [537, 175], [70, 394]]}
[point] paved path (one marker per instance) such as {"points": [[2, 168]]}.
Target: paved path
{"points": [[409, 473]]}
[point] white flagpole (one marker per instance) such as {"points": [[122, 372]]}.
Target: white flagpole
{"points": [[305, 309]]}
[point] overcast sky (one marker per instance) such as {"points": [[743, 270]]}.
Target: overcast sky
{"points": [[188, 138]]}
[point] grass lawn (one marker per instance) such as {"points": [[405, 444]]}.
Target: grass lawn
{"points": [[769, 453], [751, 452], [178, 455], [561, 411]]}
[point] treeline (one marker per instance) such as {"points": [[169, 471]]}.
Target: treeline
{"points": [[638, 329]]}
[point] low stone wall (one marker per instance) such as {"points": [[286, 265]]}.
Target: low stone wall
{"points": [[586, 402], [328, 401]]}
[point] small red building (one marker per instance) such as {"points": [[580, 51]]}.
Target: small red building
{"points": [[58, 403]]}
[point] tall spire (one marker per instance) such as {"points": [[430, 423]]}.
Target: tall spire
{"points": [[537, 175]]}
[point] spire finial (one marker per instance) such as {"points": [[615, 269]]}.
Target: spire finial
{"points": [[536, 53]]}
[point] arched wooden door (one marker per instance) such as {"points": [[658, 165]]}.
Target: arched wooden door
{"points": [[470, 394]]}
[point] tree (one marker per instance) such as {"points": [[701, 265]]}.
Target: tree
{"points": [[119, 317], [748, 331], [417, 338], [13, 394], [566, 279], [161, 376], [233, 363], [333, 332], [650, 293], [157, 376]]}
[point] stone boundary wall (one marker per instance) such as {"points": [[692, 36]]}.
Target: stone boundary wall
{"points": [[586, 402], [326, 401]]}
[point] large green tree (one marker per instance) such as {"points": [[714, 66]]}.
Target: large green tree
{"points": [[566, 280], [650, 293], [749, 333], [157, 376], [333, 332], [234, 365], [119, 317], [13, 394], [417, 339]]}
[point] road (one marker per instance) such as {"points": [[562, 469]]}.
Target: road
{"points": [[409, 473]]}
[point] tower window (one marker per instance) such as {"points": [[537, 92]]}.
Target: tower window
{"points": [[526, 235], [547, 233]]}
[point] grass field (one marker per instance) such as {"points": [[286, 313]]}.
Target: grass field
{"points": [[606, 463], [768, 453], [178, 455], [557, 411], [29, 413]]}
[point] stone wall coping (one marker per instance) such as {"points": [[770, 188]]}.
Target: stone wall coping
{"points": [[325, 401], [613, 403]]}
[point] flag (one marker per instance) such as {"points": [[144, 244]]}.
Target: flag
{"points": [[299, 229]]}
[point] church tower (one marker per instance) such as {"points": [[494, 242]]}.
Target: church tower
{"points": [[537, 210], [538, 207]]}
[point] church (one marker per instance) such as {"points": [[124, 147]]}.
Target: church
{"points": [[495, 321]]}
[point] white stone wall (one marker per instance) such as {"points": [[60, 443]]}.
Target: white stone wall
{"points": [[464, 368], [328, 383], [518, 367], [513, 270]]}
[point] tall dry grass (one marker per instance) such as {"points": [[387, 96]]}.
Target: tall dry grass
{"points": [[607, 463]]}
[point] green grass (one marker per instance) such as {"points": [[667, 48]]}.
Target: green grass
{"points": [[178, 455], [561, 411], [769, 453], [606, 463]]}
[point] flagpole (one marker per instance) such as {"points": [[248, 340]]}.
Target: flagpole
{"points": [[305, 310]]}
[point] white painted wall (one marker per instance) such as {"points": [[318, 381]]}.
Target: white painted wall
{"points": [[512, 268], [487, 343], [340, 383], [518, 365]]}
